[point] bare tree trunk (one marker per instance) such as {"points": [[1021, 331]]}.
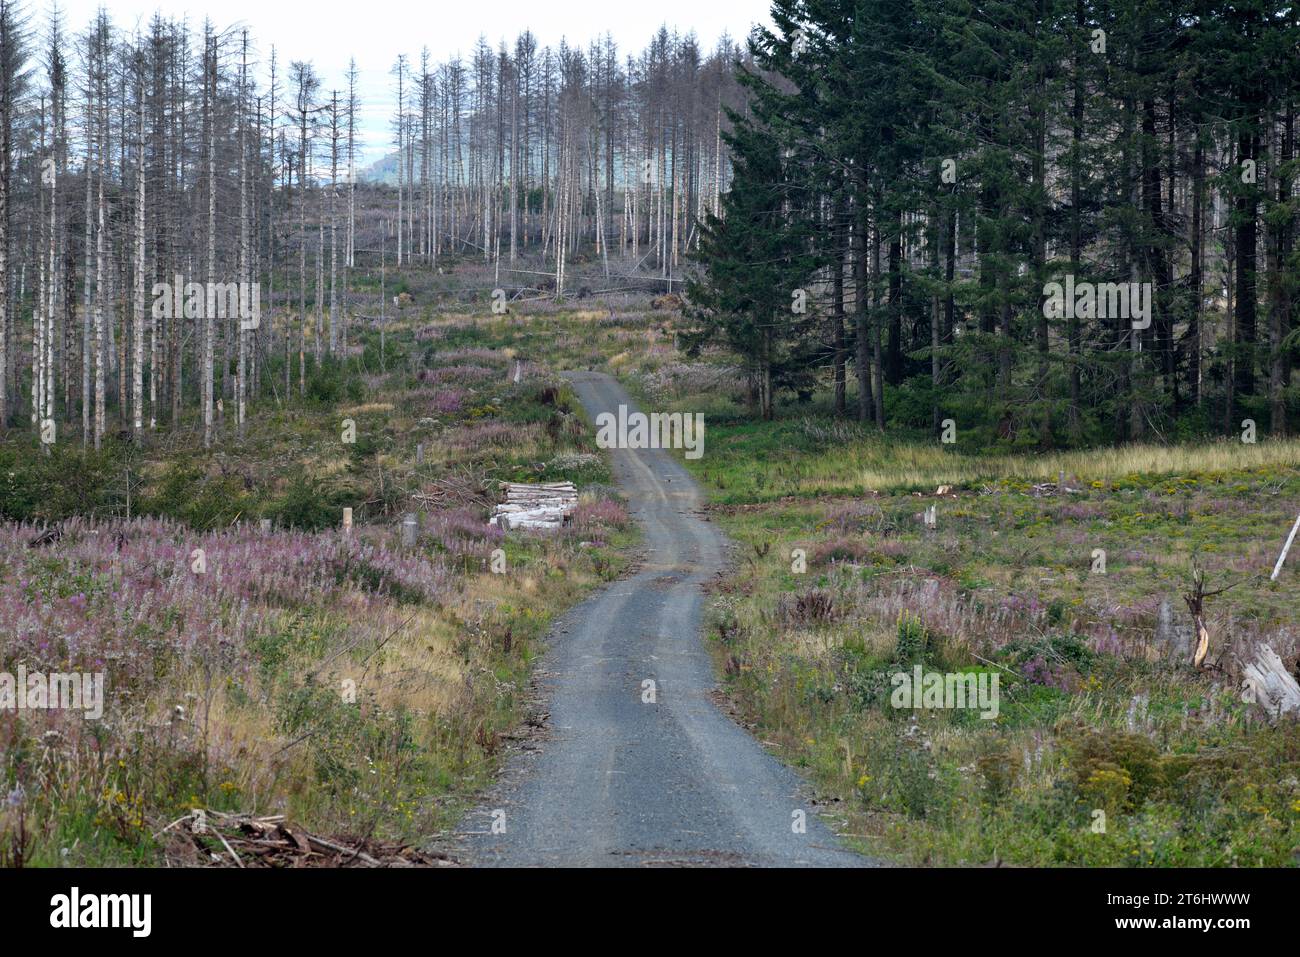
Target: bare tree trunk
{"points": [[601, 240], [306, 85], [5, 120], [38, 310], [120, 263], [1197, 268], [350, 259], [86, 280], [936, 229], [514, 166], [99, 309], [862, 314], [877, 357], [352, 165], [319, 299], [209, 97], [334, 243], [186, 262], [839, 230], [1281, 294], [137, 365], [241, 385], [401, 164]]}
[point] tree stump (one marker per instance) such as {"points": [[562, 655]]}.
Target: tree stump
{"points": [[1267, 684]]}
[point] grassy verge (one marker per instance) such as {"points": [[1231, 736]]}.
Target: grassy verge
{"points": [[1107, 748]]}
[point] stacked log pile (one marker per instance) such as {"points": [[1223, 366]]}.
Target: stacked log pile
{"points": [[546, 507]]}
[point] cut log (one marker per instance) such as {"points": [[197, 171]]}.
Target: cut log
{"points": [[1267, 684], [539, 519]]}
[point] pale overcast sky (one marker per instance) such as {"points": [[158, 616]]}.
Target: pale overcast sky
{"points": [[376, 31]]}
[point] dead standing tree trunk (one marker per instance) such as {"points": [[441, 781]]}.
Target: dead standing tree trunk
{"points": [[209, 123], [137, 363], [1195, 600], [241, 385]]}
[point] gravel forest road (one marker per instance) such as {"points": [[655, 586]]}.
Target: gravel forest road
{"points": [[618, 782]]}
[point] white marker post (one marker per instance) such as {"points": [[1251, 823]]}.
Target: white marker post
{"points": [[1277, 569], [347, 521]]}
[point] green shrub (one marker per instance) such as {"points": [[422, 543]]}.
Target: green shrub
{"points": [[331, 383], [1117, 765], [186, 493], [306, 506], [35, 486]]}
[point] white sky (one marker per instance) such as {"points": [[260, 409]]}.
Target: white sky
{"points": [[328, 32]]}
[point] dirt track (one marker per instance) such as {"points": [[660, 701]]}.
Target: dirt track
{"points": [[619, 782]]}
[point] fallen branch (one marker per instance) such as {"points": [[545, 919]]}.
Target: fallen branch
{"points": [[356, 853], [1277, 569]]}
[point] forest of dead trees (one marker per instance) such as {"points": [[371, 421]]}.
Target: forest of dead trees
{"points": [[130, 161], [920, 171]]}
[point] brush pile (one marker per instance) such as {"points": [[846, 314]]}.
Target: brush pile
{"points": [[215, 839]]}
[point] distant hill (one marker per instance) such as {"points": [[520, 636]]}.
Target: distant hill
{"points": [[382, 172]]}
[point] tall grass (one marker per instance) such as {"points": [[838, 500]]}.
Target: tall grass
{"points": [[753, 463], [887, 467]]}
